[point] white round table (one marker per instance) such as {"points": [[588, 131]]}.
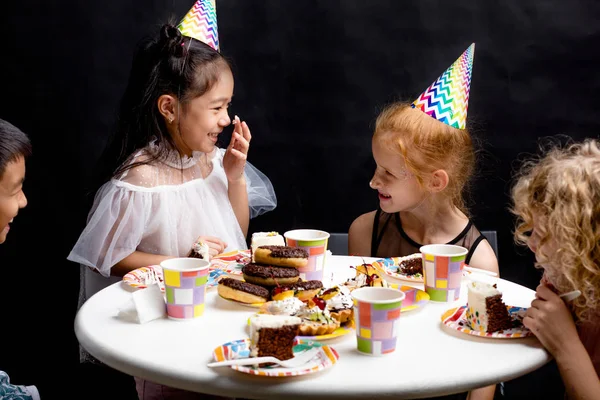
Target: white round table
{"points": [[431, 359]]}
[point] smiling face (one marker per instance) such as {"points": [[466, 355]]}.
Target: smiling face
{"points": [[12, 197], [397, 187], [203, 118]]}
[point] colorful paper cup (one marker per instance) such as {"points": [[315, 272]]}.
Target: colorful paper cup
{"points": [[315, 243], [185, 285], [376, 317], [442, 270]]}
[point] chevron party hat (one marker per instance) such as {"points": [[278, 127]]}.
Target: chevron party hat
{"points": [[447, 99], [200, 23]]}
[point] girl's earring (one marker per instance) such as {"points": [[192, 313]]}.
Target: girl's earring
{"points": [[171, 120]]}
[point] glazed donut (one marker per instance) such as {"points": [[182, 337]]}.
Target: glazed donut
{"points": [[266, 275], [243, 292], [281, 256]]}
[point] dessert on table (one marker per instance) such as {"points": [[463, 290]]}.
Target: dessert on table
{"points": [[486, 312], [200, 250], [265, 239], [273, 335]]}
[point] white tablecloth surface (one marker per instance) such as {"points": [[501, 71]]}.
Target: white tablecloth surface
{"points": [[430, 359]]}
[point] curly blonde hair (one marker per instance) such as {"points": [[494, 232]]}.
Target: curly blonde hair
{"points": [[428, 145], [562, 190]]}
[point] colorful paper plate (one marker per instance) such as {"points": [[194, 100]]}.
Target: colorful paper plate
{"points": [[455, 318], [414, 299], [231, 262], [142, 277], [389, 266], [324, 359]]}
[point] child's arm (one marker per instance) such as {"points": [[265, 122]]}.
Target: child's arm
{"points": [[359, 235], [484, 258], [135, 260], [238, 197], [234, 161], [551, 322], [139, 259]]}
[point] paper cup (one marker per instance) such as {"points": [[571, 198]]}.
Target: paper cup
{"points": [[315, 243], [442, 270], [376, 317], [185, 285]]}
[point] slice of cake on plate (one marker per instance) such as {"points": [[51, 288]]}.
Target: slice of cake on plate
{"points": [[411, 265], [486, 312], [273, 335]]}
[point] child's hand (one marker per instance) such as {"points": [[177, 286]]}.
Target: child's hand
{"points": [[550, 320], [215, 245], [234, 160]]}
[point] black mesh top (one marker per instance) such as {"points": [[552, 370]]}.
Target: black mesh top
{"points": [[390, 240]]}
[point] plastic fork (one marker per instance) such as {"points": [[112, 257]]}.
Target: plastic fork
{"points": [[298, 360]]}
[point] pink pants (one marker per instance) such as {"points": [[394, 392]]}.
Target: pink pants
{"points": [[147, 390]]}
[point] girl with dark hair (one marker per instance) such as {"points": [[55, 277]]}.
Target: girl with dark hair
{"points": [[166, 184]]}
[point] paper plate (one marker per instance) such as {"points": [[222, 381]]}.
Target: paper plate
{"points": [[455, 318], [414, 299], [142, 277], [389, 266], [324, 359], [231, 262]]}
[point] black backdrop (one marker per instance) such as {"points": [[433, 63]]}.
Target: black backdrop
{"points": [[311, 77]]}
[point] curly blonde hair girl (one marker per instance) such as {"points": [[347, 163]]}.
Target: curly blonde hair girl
{"points": [[427, 145], [561, 191]]}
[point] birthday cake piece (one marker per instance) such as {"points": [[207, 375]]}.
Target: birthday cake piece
{"points": [[486, 312], [273, 335], [411, 265], [200, 250]]}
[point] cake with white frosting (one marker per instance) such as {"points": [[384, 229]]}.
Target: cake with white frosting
{"points": [[200, 250], [273, 335], [486, 312]]}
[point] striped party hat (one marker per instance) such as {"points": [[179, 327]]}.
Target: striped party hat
{"points": [[447, 99], [200, 23]]}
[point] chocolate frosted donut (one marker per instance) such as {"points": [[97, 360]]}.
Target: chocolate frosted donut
{"points": [[242, 291], [307, 289], [308, 285], [281, 256], [267, 275]]}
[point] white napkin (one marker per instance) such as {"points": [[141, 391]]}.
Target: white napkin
{"points": [[144, 305]]}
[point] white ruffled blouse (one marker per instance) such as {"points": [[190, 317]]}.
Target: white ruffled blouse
{"points": [[162, 208]]}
